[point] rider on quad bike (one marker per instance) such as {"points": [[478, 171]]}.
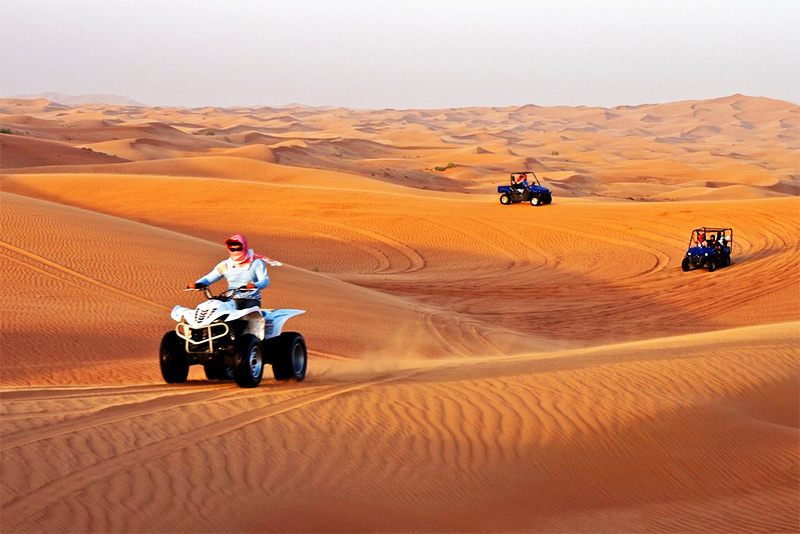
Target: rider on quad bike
{"points": [[228, 334], [243, 269]]}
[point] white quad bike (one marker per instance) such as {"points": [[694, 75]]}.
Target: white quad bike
{"points": [[230, 343]]}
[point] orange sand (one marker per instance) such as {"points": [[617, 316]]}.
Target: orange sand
{"points": [[473, 367]]}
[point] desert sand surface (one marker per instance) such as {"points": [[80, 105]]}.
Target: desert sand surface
{"points": [[473, 367]]}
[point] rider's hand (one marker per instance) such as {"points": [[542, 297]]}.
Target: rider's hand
{"points": [[195, 285], [251, 285]]}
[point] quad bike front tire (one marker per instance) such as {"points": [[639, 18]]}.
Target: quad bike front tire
{"points": [[727, 261], [686, 264], [172, 356], [505, 199], [249, 367], [712, 265], [291, 357], [535, 201]]}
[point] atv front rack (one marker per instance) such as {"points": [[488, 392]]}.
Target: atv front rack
{"points": [[195, 337]]}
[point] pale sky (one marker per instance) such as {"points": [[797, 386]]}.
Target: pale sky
{"points": [[401, 54]]}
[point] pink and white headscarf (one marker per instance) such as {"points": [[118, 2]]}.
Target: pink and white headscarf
{"points": [[244, 256], [239, 256]]}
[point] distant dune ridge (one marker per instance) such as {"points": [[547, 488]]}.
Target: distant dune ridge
{"points": [[747, 145], [78, 100], [473, 367]]}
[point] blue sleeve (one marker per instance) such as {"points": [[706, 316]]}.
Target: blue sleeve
{"points": [[214, 276], [262, 277]]}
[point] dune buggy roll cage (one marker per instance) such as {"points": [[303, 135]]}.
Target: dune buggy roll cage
{"points": [[709, 231], [525, 174]]}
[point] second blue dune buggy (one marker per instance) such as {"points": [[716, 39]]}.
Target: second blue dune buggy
{"points": [[710, 248]]}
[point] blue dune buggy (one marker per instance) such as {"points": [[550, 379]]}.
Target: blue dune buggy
{"points": [[710, 248], [525, 187]]}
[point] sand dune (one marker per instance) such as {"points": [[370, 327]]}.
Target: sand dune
{"points": [[693, 433], [19, 151], [473, 367]]}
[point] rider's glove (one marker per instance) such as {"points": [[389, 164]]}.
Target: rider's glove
{"points": [[195, 285], [251, 285]]}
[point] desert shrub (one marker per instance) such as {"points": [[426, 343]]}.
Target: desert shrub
{"points": [[209, 132], [5, 131], [448, 166], [554, 153]]}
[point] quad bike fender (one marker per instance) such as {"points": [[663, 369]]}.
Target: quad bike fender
{"points": [[241, 314], [275, 319], [179, 312], [254, 318]]}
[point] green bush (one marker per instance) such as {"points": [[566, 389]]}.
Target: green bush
{"points": [[448, 166], [5, 131], [209, 132]]}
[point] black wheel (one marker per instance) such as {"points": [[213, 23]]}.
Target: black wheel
{"points": [[535, 201], [712, 265], [249, 362], [218, 371], [727, 260], [291, 357], [548, 199], [686, 264], [505, 199], [172, 356]]}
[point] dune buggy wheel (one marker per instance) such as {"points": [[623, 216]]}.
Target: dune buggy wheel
{"points": [[712, 265], [249, 365], [535, 201], [172, 356], [686, 264], [505, 200], [291, 358], [727, 262]]}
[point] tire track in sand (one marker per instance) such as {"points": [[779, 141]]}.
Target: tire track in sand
{"points": [[27, 505], [175, 398], [62, 273]]}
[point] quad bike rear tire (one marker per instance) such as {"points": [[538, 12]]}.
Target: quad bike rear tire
{"points": [[218, 371], [712, 265], [290, 358], [535, 201], [172, 356], [249, 367], [505, 199], [686, 264], [727, 260]]}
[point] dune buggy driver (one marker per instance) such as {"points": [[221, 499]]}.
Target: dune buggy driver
{"points": [[243, 270]]}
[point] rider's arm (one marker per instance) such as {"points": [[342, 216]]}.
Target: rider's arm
{"points": [[214, 276], [262, 278]]}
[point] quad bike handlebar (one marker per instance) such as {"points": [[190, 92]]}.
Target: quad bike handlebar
{"points": [[224, 296]]}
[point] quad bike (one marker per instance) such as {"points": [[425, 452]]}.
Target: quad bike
{"points": [[230, 343]]}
